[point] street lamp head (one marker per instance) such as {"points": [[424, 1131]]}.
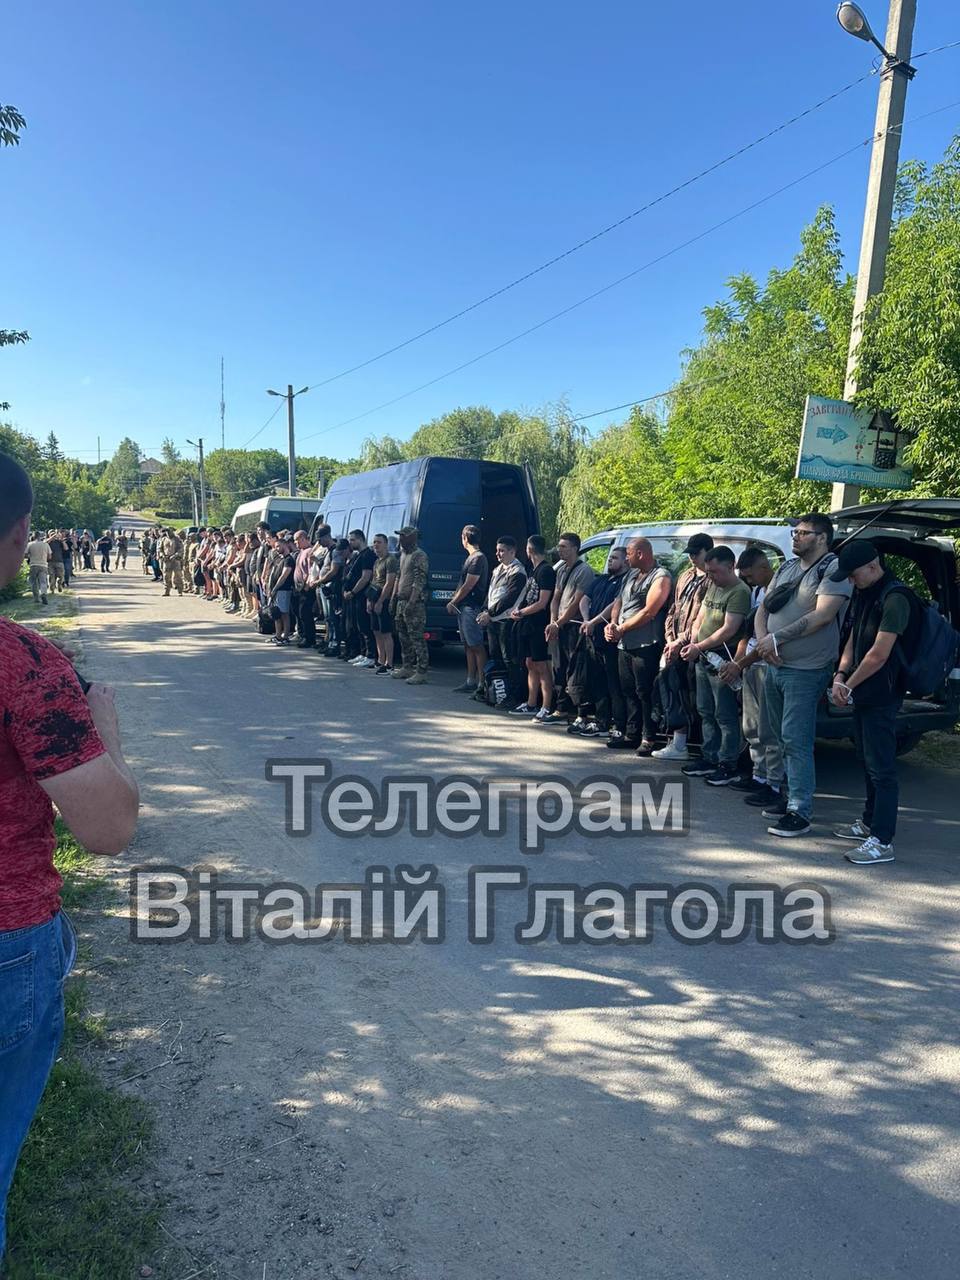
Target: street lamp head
{"points": [[302, 390], [273, 393], [854, 21]]}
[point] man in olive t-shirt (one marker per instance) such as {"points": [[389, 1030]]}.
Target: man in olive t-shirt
{"points": [[717, 628]]}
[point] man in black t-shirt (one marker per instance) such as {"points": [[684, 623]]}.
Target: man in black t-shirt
{"points": [[361, 648], [466, 603], [281, 588], [531, 614]]}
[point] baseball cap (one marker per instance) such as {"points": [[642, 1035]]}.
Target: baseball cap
{"points": [[407, 528], [853, 555], [698, 542]]}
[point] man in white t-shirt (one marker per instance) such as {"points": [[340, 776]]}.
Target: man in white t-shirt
{"points": [[38, 558]]}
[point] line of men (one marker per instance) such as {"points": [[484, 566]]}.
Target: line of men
{"points": [[732, 646], [744, 650]]}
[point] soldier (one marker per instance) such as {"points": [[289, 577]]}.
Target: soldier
{"points": [[170, 553], [409, 608]]}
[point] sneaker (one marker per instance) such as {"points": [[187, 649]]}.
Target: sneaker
{"points": [[417, 678], [725, 775], [555, 718], [856, 831], [749, 785], [357, 661], [591, 730], [381, 670], [672, 752], [524, 709], [366, 663], [791, 824], [871, 851], [479, 695], [698, 768], [776, 808], [645, 749], [539, 717], [576, 725], [621, 742], [43, 599], [468, 686], [762, 799], [401, 673]]}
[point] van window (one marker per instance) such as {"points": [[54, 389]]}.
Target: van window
{"points": [[386, 520], [336, 519], [357, 520], [247, 523], [441, 526], [284, 516]]}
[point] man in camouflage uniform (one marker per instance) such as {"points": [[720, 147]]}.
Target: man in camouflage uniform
{"points": [[170, 555], [409, 608]]}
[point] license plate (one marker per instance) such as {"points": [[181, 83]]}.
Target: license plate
{"points": [[443, 595]]}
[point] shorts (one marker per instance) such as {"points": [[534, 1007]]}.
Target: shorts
{"points": [[471, 633], [382, 622], [282, 601], [531, 642]]}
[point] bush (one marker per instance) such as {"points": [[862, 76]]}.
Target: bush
{"points": [[16, 588]]}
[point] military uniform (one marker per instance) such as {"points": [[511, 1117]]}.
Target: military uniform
{"points": [[409, 609], [170, 553]]}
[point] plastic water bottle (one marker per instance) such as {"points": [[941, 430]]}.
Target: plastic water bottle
{"points": [[717, 662]]}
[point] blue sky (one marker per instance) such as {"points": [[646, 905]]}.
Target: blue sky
{"points": [[298, 186]]}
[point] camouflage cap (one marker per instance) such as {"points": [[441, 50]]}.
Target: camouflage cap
{"points": [[408, 528]]}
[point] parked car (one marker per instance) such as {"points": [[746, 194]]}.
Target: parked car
{"points": [[915, 536], [439, 496], [279, 513]]}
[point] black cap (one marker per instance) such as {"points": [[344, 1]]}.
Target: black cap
{"points": [[853, 555], [698, 542]]}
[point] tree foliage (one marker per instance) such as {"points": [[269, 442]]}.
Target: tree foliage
{"points": [[65, 495], [122, 475]]}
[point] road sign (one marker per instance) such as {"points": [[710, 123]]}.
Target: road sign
{"points": [[845, 445]]}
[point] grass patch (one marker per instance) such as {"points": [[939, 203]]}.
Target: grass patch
{"points": [[73, 1212]]}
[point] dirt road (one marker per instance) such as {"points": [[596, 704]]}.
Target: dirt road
{"points": [[508, 1111]]}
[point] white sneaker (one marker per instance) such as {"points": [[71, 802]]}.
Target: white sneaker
{"points": [[366, 662], [871, 851], [856, 831], [671, 752], [356, 662]]}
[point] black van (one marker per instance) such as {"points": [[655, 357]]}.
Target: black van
{"points": [[439, 496]]}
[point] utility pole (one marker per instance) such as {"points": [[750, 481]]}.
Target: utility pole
{"points": [[881, 186], [193, 495], [203, 483], [290, 396], [223, 411], [98, 451]]}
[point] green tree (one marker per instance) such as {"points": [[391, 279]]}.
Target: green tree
{"points": [[12, 125], [51, 449], [169, 453], [910, 353], [122, 474]]}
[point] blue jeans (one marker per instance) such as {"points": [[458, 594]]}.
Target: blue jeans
{"points": [[720, 717], [875, 733], [33, 965], [791, 698]]}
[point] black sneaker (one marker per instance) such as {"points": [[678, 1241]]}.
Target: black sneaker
{"points": [[590, 730], [622, 744], [763, 798], [791, 824], [698, 768], [776, 809], [748, 785], [725, 775], [577, 725]]}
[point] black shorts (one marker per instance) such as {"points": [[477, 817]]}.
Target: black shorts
{"points": [[382, 622], [531, 642]]}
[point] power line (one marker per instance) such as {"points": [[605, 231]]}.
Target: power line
{"points": [[265, 425], [620, 280], [597, 235]]}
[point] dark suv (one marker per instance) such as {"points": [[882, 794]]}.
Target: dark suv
{"points": [[915, 537]]}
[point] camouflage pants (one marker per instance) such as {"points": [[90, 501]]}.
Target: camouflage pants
{"points": [[172, 575], [411, 620]]}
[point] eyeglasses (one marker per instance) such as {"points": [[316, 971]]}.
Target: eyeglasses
{"points": [[803, 533]]}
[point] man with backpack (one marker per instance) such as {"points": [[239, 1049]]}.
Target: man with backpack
{"points": [[872, 674]]}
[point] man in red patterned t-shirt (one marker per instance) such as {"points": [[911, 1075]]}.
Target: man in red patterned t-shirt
{"points": [[57, 747]]}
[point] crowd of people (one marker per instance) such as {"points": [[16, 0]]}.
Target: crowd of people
{"points": [[53, 557], [736, 650]]}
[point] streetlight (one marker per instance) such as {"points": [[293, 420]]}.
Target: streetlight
{"points": [[198, 444], [291, 452], [881, 185]]}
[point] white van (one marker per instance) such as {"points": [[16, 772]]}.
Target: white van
{"points": [[279, 513], [669, 538]]}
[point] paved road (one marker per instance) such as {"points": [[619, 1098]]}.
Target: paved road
{"points": [[526, 1112]]}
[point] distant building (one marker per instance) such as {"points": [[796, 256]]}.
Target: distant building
{"points": [[149, 467]]}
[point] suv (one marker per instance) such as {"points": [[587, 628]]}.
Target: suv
{"points": [[915, 536]]}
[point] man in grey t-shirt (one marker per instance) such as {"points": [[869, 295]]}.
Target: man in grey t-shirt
{"points": [[798, 634], [574, 579]]}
